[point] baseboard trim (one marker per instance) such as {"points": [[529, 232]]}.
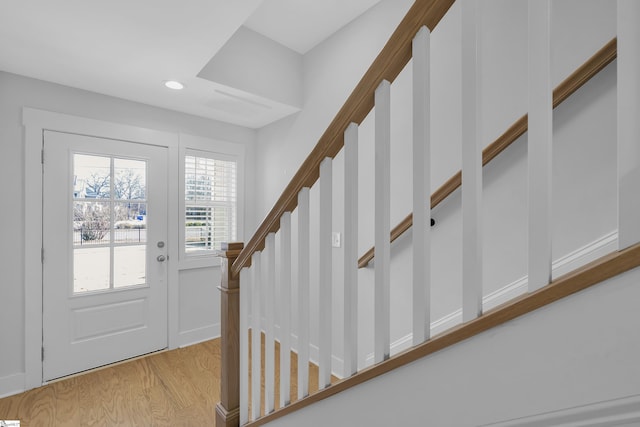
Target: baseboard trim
{"points": [[198, 335], [12, 384], [590, 252], [571, 261], [602, 414]]}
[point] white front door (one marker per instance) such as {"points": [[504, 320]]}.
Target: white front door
{"points": [[104, 241]]}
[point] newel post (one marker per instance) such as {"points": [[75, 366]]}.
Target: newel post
{"points": [[228, 409]]}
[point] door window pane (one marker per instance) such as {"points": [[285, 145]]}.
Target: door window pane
{"points": [[91, 177], [91, 269], [129, 265], [91, 223], [130, 181], [130, 222], [109, 222]]}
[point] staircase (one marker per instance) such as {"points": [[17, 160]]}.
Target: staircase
{"points": [[252, 300]]}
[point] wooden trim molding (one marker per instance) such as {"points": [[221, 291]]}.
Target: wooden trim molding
{"points": [[564, 90], [625, 410], [582, 278], [388, 64], [588, 70]]}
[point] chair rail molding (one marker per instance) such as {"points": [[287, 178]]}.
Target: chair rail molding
{"points": [[601, 414]]}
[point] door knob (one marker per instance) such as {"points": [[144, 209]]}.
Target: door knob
{"points": [[161, 258]]}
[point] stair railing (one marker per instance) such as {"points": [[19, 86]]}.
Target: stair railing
{"points": [[561, 93], [249, 378]]}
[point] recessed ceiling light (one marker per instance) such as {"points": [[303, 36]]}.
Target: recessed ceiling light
{"points": [[172, 84]]}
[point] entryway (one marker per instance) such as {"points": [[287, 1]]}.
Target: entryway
{"points": [[104, 251]]}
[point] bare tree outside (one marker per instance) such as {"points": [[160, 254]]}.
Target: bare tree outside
{"points": [[128, 185], [97, 185], [92, 218]]}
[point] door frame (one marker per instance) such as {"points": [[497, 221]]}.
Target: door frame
{"points": [[35, 122]]}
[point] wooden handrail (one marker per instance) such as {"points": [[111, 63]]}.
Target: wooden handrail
{"points": [[575, 81], [387, 65], [591, 274]]}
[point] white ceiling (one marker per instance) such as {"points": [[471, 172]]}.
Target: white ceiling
{"points": [[302, 24], [127, 48]]}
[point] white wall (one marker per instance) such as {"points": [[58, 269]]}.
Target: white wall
{"points": [[331, 70], [199, 299], [578, 351], [256, 64], [584, 159]]}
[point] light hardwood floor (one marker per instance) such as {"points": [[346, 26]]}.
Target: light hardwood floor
{"points": [[178, 387], [172, 388]]}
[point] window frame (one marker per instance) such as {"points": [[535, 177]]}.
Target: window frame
{"points": [[191, 145]]}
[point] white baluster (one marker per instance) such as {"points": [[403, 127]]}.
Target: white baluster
{"points": [[285, 309], [245, 292], [421, 187], [351, 250], [628, 123], [303, 293], [269, 342], [382, 221], [256, 335], [540, 143], [471, 167], [325, 302]]}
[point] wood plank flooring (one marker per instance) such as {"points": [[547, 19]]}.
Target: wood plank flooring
{"points": [[173, 388], [177, 388]]}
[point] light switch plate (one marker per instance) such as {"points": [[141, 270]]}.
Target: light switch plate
{"points": [[335, 239]]}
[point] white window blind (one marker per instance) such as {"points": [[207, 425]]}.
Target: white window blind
{"points": [[210, 202]]}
